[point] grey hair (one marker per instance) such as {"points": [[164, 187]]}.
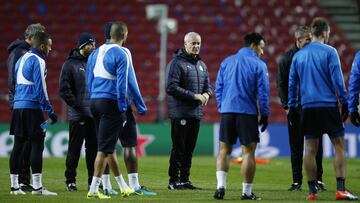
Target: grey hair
{"points": [[189, 34], [300, 31], [32, 29]]}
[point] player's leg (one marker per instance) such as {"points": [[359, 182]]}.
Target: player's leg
{"points": [[76, 139], [15, 165], [190, 137], [319, 157], [340, 169], [177, 138], [24, 176], [311, 147], [90, 148], [296, 141]]}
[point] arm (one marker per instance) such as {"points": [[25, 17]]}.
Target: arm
{"points": [[293, 86], [40, 85], [89, 73], [263, 88], [173, 87], [207, 86], [282, 80], [66, 85], [354, 84], [219, 85], [134, 90], [337, 76], [122, 72]]}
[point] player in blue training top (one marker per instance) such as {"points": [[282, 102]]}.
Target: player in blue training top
{"points": [[354, 89], [241, 84], [107, 76], [30, 100], [316, 69]]}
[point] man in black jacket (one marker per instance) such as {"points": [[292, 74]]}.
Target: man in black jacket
{"points": [[16, 49], [296, 138], [188, 88], [73, 90]]}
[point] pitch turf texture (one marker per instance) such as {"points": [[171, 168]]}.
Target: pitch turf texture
{"points": [[271, 182]]}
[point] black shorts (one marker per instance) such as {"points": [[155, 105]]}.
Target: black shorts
{"points": [[242, 126], [128, 135], [26, 123], [318, 121], [109, 122]]}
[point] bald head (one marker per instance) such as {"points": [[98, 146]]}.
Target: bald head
{"points": [[192, 43], [118, 32]]}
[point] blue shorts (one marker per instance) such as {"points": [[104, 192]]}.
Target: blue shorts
{"points": [[128, 136], [108, 122], [242, 126]]}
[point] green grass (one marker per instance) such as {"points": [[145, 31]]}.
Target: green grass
{"points": [[271, 182]]}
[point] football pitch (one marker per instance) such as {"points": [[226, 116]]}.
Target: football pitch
{"points": [[271, 182]]}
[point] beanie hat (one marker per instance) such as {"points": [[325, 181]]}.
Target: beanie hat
{"points": [[84, 39], [107, 29]]}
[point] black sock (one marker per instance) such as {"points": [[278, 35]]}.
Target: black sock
{"points": [[312, 187], [340, 184]]}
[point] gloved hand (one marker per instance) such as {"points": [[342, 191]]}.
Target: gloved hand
{"points": [[207, 97], [264, 123], [200, 98], [344, 112], [53, 117], [355, 118], [293, 115]]}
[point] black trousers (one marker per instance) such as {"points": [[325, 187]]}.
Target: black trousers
{"points": [[184, 133], [78, 132], [296, 141], [24, 175]]}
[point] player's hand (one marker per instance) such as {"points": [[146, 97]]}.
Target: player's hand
{"points": [[355, 118], [293, 115], [200, 98], [344, 112], [207, 97], [53, 117], [264, 123]]}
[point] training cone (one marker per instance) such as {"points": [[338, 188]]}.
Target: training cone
{"points": [[257, 160]]}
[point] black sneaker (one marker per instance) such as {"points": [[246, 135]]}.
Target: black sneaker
{"points": [[320, 186], [295, 187], [175, 186], [189, 185], [26, 188], [219, 193], [251, 197], [71, 187]]}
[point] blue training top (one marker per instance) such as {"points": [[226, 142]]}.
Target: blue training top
{"points": [[354, 84], [242, 79], [316, 67]]}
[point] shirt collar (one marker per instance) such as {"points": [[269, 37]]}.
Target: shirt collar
{"points": [[248, 51], [38, 53]]}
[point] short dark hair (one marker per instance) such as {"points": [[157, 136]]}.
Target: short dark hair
{"points": [[40, 38], [32, 29], [118, 30], [319, 25], [253, 38]]}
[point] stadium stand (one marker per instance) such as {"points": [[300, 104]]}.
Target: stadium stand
{"points": [[221, 23]]}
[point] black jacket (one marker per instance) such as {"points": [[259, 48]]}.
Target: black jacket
{"points": [[72, 86], [16, 49], [186, 77], [282, 79]]}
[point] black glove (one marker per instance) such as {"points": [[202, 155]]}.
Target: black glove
{"points": [[293, 116], [344, 112], [264, 123], [53, 117], [355, 118]]}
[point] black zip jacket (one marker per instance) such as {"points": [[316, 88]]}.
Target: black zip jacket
{"points": [[186, 76], [16, 49], [282, 79], [72, 86]]}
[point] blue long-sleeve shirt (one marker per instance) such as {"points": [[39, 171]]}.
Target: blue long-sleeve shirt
{"points": [[30, 89], [354, 84], [317, 69], [134, 91], [241, 80], [107, 74]]}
